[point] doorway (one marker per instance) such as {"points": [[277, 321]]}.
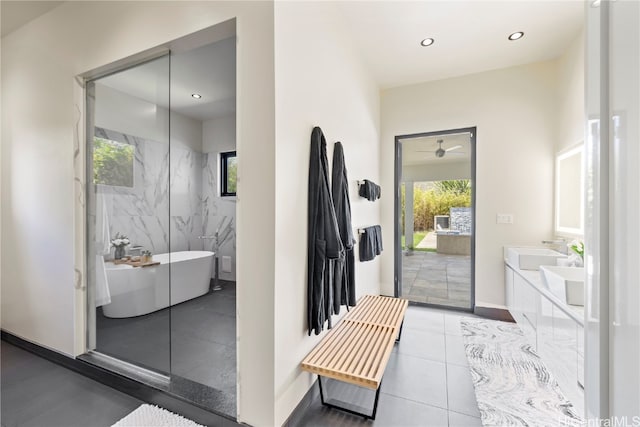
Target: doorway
{"points": [[161, 219], [435, 218]]}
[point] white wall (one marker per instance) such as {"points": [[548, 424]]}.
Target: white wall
{"points": [[571, 108], [124, 113], [513, 110], [319, 82], [570, 95], [39, 118], [219, 135]]}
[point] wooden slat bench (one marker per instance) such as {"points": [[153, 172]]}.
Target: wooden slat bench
{"points": [[357, 350]]}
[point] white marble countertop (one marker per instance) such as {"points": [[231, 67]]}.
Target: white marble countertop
{"points": [[533, 278]]}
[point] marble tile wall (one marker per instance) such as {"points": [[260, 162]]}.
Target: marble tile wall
{"points": [[174, 199], [151, 214], [215, 210], [186, 199]]}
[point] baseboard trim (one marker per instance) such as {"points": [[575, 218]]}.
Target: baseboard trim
{"points": [[126, 385], [494, 314], [298, 413]]}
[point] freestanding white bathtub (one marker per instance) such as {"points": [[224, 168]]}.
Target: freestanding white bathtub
{"points": [[141, 290]]}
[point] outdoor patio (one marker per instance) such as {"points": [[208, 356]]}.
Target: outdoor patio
{"points": [[434, 278]]}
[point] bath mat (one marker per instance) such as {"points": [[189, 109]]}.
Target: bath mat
{"points": [[512, 384], [154, 416]]}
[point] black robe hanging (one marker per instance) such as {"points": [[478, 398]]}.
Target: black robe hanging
{"points": [[344, 283], [325, 250]]}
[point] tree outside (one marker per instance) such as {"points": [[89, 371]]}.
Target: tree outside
{"points": [[112, 163], [434, 198], [232, 174]]}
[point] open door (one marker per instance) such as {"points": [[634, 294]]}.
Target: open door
{"points": [[435, 218]]}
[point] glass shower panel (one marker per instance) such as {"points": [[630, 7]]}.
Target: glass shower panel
{"points": [[128, 215], [202, 222]]}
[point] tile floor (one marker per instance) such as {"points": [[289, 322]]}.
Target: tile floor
{"points": [[427, 381], [195, 340], [434, 278], [36, 392]]}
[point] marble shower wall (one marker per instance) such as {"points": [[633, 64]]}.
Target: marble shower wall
{"points": [[186, 199], [151, 214], [215, 209]]}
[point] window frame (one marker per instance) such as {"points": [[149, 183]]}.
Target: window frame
{"points": [[224, 157]]}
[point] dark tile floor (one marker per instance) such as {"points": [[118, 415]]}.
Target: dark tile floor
{"points": [[195, 340], [36, 392]]}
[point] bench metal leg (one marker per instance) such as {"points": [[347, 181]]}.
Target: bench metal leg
{"points": [[351, 411], [400, 333]]}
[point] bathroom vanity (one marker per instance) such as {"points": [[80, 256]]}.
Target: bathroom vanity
{"points": [[554, 328]]}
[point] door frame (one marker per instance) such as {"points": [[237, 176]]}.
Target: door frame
{"points": [[397, 285]]}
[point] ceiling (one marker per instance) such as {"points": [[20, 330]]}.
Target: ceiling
{"points": [[421, 151], [470, 36], [208, 70], [15, 14]]}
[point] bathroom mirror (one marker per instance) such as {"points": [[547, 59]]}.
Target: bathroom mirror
{"points": [[569, 191]]}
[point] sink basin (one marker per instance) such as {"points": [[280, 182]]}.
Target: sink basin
{"points": [[567, 283], [532, 258]]}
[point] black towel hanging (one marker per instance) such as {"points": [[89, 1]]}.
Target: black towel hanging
{"points": [[369, 190], [370, 242]]}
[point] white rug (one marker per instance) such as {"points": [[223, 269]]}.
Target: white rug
{"points": [[512, 384], [154, 416]]}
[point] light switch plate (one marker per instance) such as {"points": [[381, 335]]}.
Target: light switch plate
{"points": [[504, 218]]}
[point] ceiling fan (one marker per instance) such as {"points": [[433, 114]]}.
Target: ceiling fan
{"points": [[440, 152]]}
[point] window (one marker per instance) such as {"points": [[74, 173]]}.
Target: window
{"points": [[229, 168], [112, 163]]}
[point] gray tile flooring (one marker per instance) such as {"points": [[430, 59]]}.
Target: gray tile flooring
{"points": [[195, 340], [427, 381], [434, 278], [36, 392]]}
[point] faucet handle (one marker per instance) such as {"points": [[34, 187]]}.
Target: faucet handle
{"points": [[560, 245]]}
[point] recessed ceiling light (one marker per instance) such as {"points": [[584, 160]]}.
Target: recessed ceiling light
{"points": [[427, 42], [595, 3], [515, 36], [196, 95]]}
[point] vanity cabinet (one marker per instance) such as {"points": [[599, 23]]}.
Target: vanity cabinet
{"points": [[580, 362], [564, 363], [544, 330], [522, 302], [554, 332], [527, 301], [508, 282]]}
